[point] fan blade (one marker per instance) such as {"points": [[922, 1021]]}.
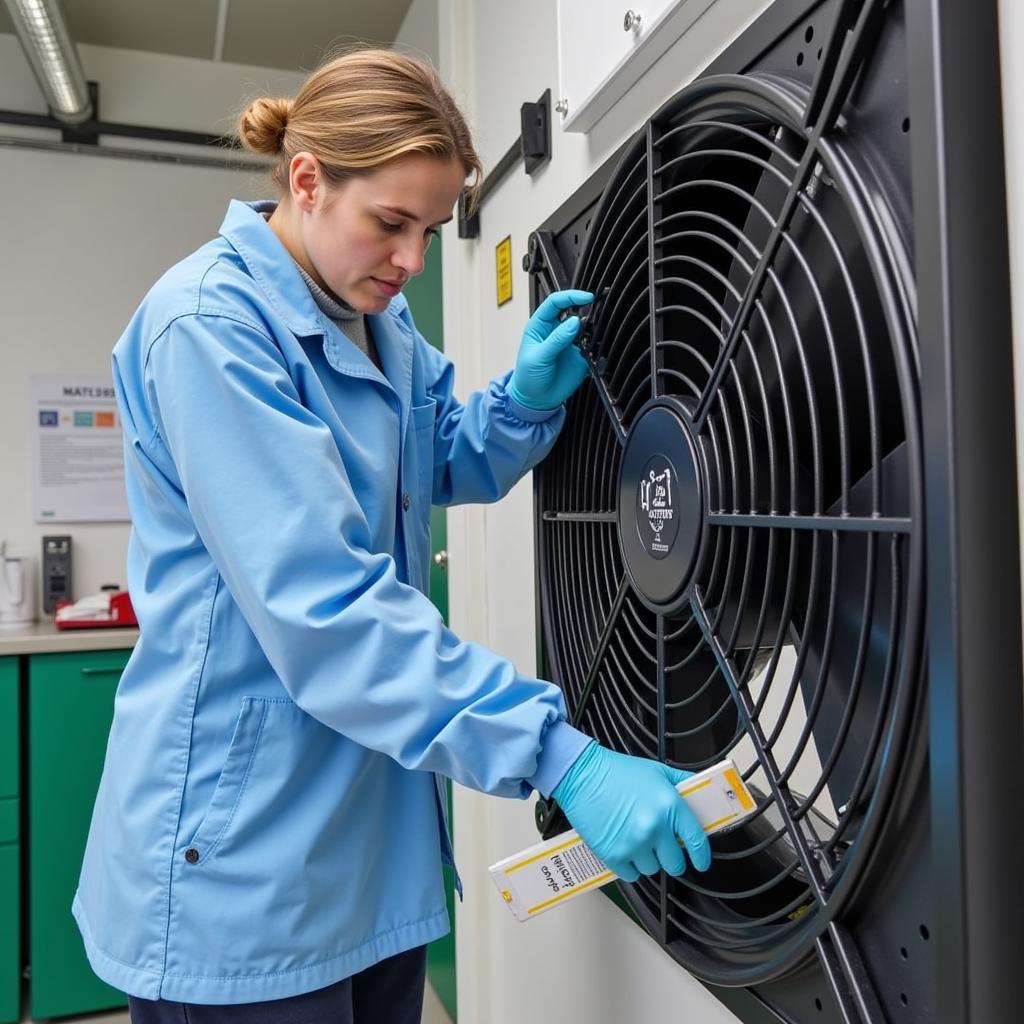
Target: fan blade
{"points": [[848, 666]]}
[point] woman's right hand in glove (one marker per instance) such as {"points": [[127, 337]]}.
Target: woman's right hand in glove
{"points": [[629, 813]]}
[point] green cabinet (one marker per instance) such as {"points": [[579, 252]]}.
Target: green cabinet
{"points": [[70, 707], [10, 851]]}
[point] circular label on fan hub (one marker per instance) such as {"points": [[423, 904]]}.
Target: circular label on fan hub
{"points": [[660, 504], [657, 517]]}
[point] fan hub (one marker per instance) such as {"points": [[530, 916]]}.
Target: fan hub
{"points": [[660, 507]]}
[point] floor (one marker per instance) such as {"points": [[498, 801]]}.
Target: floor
{"points": [[433, 1013]]}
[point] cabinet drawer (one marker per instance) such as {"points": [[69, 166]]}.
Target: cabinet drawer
{"points": [[9, 727], [79, 667]]}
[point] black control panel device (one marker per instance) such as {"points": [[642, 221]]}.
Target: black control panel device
{"points": [[56, 571]]}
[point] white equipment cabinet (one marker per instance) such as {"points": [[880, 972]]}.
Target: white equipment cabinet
{"points": [[604, 46]]}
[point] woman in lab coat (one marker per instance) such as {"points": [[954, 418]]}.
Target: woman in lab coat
{"points": [[268, 834]]}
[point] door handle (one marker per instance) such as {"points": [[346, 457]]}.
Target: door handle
{"points": [[441, 559]]}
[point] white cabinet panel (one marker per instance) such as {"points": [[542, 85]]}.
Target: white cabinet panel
{"points": [[603, 49]]}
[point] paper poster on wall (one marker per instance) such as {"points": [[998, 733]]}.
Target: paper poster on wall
{"points": [[78, 464]]}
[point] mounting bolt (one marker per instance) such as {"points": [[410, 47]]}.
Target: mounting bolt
{"points": [[631, 21], [562, 106]]}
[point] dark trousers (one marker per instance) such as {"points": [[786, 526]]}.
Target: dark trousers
{"points": [[389, 992]]}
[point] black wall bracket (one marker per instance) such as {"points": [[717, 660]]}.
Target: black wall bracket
{"points": [[542, 256], [533, 145]]}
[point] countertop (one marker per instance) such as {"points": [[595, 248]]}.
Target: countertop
{"points": [[45, 638]]}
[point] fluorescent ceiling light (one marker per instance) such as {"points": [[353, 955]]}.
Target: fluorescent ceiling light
{"points": [[52, 55]]}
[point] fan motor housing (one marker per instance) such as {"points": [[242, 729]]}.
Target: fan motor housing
{"points": [[661, 504]]}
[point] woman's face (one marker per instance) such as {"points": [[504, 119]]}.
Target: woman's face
{"points": [[365, 238]]}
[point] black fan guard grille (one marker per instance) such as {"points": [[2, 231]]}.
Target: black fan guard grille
{"points": [[753, 292]]}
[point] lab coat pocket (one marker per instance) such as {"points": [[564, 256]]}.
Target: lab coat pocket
{"points": [[422, 418], [227, 794]]}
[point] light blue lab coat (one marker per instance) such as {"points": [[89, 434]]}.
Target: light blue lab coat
{"points": [[268, 819]]}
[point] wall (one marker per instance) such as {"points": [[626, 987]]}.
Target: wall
{"points": [[584, 962], [419, 31], [85, 237]]}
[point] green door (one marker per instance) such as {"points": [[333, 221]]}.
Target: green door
{"points": [[71, 704], [10, 861], [424, 296]]}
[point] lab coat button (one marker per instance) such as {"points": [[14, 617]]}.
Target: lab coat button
{"points": [[406, 501], [191, 855]]}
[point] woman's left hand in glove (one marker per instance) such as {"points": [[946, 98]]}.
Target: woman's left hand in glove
{"points": [[549, 368]]}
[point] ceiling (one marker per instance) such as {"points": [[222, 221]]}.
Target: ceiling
{"points": [[292, 35]]}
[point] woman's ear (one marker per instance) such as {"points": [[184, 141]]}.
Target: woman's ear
{"points": [[304, 181]]}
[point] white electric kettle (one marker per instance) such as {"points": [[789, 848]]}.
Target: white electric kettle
{"points": [[17, 588]]}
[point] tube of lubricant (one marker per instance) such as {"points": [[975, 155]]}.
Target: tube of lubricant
{"points": [[548, 874]]}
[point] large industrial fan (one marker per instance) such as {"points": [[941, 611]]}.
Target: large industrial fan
{"points": [[740, 527]]}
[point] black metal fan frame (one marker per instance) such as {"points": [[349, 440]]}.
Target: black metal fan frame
{"points": [[975, 741]]}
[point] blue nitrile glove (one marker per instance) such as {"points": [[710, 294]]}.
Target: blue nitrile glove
{"points": [[548, 367], [628, 812]]}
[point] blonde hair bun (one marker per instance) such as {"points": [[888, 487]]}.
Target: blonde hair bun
{"points": [[261, 125], [357, 112]]}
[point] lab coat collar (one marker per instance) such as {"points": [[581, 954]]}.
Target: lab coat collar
{"points": [[274, 270], [271, 265]]}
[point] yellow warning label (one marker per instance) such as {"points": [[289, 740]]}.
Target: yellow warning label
{"points": [[503, 267]]}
